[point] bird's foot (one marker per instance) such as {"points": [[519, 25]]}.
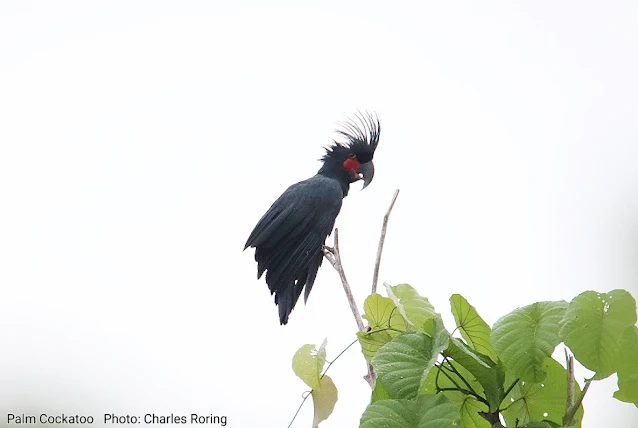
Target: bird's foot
{"points": [[330, 254]]}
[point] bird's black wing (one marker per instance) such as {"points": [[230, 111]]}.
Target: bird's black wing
{"points": [[288, 239]]}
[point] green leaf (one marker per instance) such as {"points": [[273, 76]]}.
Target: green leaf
{"points": [[488, 373], [544, 401], [324, 400], [416, 309], [372, 341], [538, 425], [426, 412], [592, 326], [390, 414], [628, 366], [437, 411], [450, 372], [385, 323], [467, 404], [526, 336], [308, 363], [440, 342], [469, 408], [379, 392], [474, 330], [382, 313], [403, 364], [440, 339]]}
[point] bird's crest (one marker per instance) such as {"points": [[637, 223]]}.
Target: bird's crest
{"points": [[361, 134]]}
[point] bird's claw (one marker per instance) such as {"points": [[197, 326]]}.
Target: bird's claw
{"points": [[327, 249]]}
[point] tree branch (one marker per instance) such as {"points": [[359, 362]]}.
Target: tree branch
{"points": [[569, 362], [334, 257], [572, 404], [386, 217]]}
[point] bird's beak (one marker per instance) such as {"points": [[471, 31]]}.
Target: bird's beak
{"points": [[367, 169]]}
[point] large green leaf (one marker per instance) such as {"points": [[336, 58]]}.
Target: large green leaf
{"points": [[416, 309], [385, 322], [403, 364], [324, 400], [426, 412], [436, 411], [526, 336], [488, 373], [537, 402], [308, 363], [390, 414], [628, 366], [592, 326], [474, 330]]}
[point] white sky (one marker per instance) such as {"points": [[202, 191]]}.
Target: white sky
{"points": [[141, 141]]}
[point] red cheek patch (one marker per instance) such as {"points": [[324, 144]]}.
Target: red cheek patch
{"points": [[351, 164]]}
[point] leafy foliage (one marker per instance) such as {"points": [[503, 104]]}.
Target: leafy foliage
{"points": [[324, 400], [385, 322], [402, 364], [473, 329], [308, 363], [543, 401], [428, 411], [429, 378], [416, 309], [379, 392], [593, 325], [628, 366], [447, 381], [526, 336], [486, 372]]}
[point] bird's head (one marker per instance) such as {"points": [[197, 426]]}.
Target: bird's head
{"points": [[352, 159]]}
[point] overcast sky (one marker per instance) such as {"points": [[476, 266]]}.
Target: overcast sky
{"points": [[140, 142]]}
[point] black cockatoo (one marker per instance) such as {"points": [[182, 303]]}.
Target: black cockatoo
{"points": [[289, 238]]}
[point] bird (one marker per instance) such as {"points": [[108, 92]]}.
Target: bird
{"points": [[289, 238]]}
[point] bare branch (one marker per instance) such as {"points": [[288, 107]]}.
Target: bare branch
{"points": [[386, 217], [572, 405], [569, 360], [334, 257]]}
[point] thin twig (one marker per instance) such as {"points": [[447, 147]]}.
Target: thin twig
{"points": [[386, 217], [580, 398], [305, 397]]}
